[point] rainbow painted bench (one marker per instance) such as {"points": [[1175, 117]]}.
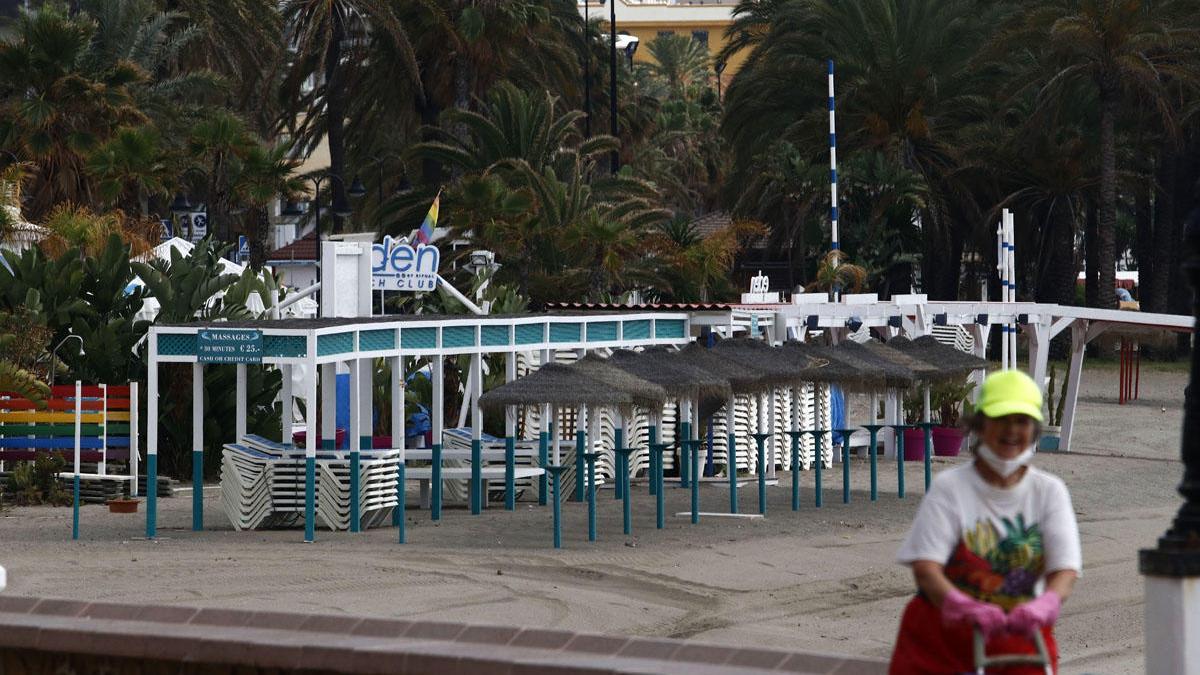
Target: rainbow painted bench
{"points": [[107, 428]]}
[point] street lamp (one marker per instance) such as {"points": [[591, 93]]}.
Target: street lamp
{"points": [[1173, 567], [587, 74], [54, 353], [357, 189], [614, 158], [719, 66]]}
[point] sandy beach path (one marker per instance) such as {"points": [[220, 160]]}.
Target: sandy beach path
{"points": [[821, 579]]}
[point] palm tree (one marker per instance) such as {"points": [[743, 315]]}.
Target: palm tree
{"points": [[1130, 53], [906, 85], [238, 39], [130, 168], [330, 39], [681, 61], [835, 275], [57, 104]]}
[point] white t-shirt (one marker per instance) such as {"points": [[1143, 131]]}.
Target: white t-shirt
{"points": [[996, 544]]}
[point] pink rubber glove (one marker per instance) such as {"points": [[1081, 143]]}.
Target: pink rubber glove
{"points": [[958, 607], [1030, 616]]}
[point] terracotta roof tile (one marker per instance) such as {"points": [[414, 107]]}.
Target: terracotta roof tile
{"points": [[304, 248]]}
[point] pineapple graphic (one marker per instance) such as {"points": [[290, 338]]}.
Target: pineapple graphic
{"points": [[996, 568]]}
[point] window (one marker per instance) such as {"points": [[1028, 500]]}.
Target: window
{"points": [[701, 36], [661, 33]]}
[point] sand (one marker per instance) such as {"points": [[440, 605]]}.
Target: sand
{"points": [[820, 579]]}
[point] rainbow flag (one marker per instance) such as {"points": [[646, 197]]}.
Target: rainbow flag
{"points": [[424, 233]]}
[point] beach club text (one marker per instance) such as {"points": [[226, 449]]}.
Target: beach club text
{"points": [[400, 267]]}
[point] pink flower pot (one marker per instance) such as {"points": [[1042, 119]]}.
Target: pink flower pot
{"points": [[914, 445], [948, 441]]}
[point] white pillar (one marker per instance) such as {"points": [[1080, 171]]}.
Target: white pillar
{"points": [[771, 430], [1079, 334], [890, 414], [510, 413], [328, 402], [240, 393], [397, 407], [475, 389], [285, 415], [555, 439], [366, 404], [1172, 629], [198, 407], [439, 398], [356, 419], [134, 448]]}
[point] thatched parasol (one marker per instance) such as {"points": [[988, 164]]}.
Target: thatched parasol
{"points": [[895, 375], [678, 378], [645, 394], [924, 371], [945, 357], [782, 368], [743, 378], [558, 385], [848, 371]]}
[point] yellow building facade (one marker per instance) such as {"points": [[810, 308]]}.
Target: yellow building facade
{"points": [[703, 20]]}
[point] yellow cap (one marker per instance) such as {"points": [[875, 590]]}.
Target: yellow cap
{"points": [[1010, 392]]}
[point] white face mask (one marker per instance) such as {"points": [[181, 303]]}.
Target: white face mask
{"points": [[1006, 467]]}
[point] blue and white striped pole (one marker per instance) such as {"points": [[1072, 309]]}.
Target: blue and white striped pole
{"points": [[1002, 272], [833, 202], [1011, 238]]}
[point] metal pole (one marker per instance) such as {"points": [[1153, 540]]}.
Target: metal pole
{"points": [[615, 160], [833, 198], [587, 72], [1172, 568]]}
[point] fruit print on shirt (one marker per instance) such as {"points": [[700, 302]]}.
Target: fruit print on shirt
{"points": [[1003, 570]]}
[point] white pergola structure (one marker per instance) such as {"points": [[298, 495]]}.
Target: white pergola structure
{"points": [[913, 315], [317, 346]]}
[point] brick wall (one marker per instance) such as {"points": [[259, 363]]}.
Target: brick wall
{"points": [[44, 635]]}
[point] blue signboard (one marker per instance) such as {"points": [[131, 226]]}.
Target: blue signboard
{"points": [[168, 228], [223, 345], [243, 249]]}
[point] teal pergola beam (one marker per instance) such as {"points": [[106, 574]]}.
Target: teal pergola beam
{"points": [[655, 458], [692, 448], [845, 434], [899, 429], [872, 452], [623, 483], [685, 435], [656, 479], [618, 443], [543, 461], [761, 439], [555, 478], [796, 436], [476, 486], [580, 468], [398, 514], [819, 437], [731, 462], [928, 427], [590, 458]]}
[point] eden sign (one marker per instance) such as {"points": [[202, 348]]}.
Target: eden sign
{"points": [[400, 267], [222, 345]]}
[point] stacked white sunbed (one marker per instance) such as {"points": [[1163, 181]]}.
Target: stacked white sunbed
{"points": [[262, 484]]}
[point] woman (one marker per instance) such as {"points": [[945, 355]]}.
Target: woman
{"points": [[994, 545]]}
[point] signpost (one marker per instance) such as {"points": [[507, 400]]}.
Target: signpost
{"points": [[222, 345]]}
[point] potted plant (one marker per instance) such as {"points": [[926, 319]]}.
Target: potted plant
{"points": [[947, 401], [1052, 431]]}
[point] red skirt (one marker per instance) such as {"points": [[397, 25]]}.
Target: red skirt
{"points": [[926, 646]]}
